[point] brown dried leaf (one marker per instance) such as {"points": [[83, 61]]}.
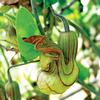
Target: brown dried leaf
{"points": [[9, 2], [24, 3]]}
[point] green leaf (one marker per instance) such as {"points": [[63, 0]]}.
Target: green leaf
{"points": [[97, 97], [67, 11], [52, 1], [83, 70], [25, 27], [4, 9], [3, 22], [11, 18], [48, 3], [62, 2], [1, 14], [85, 27], [97, 2], [39, 1]]}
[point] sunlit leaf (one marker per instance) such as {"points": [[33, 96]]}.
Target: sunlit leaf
{"points": [[3, 22], [25, 27], [67, 12], [11, 18], [39, 1], [83, 70], [62, 2], [47, 3], [4, 9]]}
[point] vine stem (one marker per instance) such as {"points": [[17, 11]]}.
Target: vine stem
{"points": [[34, 10], [65, 22], [9, 76], [8, 71], [67, 6], [4, 56]]}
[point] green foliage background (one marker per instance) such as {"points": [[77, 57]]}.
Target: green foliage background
{"points": [[18, 18]]}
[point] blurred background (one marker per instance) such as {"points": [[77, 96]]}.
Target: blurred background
{"points": [[86, 14]]}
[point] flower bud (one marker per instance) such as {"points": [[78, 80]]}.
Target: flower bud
{"points": [[12, 90], [68, 42], [2, 91]]}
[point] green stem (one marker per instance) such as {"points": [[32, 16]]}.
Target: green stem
{"points": [[2, 76], [34, 10], [67, 6], [9, 75], [5, 57], [8, 71], [64, 20], [51, 22]]}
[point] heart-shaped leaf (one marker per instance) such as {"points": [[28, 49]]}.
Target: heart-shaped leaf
{"points": [[26, 27]]}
